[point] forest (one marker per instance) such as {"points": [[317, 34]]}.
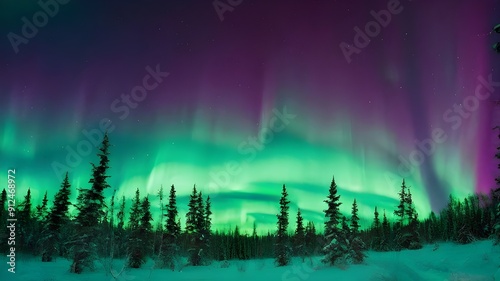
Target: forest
{"points": [[48, 231]]}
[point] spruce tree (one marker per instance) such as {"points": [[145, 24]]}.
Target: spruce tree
{"points": [[208, 214], [354, 218], [159, 231], [465, 231], [169, 254], [192, 211], [146, 227], [345, 226], [42, 210], [255, 241], [135, 256], [25, 208], [195, 227], [199, 256], [407, 236], [412, 235], [282, 248], [39, 220], [401, 209], [356, 245], [310, 239], [3, 221], [207, 225], [376, 220], [52, 238], [121, 214], [336, 247], [401, 240], [90, 209], [496, 199], [3, 206], [3, 200], [299, 238], [26, 223], [239, 246], [376, 231], [450, 220], [386, 234], [410, 208]]}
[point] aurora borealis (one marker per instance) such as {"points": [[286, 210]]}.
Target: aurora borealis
{"points": [[218, 118]]}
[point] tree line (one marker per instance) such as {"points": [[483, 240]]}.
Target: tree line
{"points": [[95, 232]]}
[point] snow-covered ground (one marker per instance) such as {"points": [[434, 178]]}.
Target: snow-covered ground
{"points": [[477, 261]]}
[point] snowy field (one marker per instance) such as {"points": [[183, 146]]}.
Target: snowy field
{"points": [[477, 261]]}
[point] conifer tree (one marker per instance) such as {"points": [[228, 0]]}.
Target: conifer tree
{"points": [[25, 208], [112, 209], [3, 206], [407, 236], [376, 220], [336, 247], [410, 209], [299, 238], [207, 215], [90, 212], [39, 220], [354, 218], [207, 225], [356, 245], [170, 249], [450, 221], [310, 239], [135, 211], [282, 249], [134, 245], [195, 227], [192, 211], [121, 214], [3, 221], [412, 234], [146, 227], [201, 243], [376, 230], [401, 209], [464, 233], [496, 199], [159, 231], [42, 210], [356, 249], [386, 233], [26, 222], [236, 244], [3, 200], [255, 241], [345, 226], [52, 238]]}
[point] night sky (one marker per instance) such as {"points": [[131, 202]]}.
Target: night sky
{"points": [[259, 96]]}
